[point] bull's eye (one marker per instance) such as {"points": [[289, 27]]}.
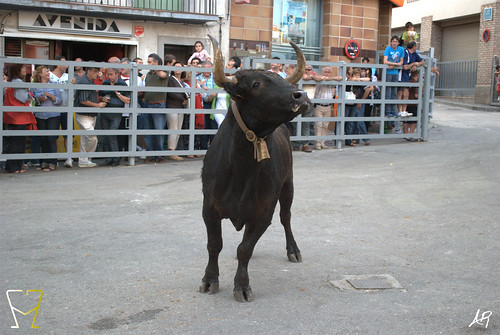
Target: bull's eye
{"points": [[256, 84]]}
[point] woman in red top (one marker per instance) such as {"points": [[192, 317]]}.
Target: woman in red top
{"points": [[17, 120]]}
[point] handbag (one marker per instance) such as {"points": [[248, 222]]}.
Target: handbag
{"points": [[350, 96]]}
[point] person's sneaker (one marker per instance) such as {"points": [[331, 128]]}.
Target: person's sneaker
{"points": [[323, 146], [405, 114], [317, 146], [68, 163], [88, 164]]}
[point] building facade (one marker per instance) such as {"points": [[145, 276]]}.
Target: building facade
{"points": [[455, 29], [322, 28], [326, 30], [97, 30]]}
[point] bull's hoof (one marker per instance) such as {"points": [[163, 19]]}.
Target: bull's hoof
{"points": [[211, 288], [295, 257], [242, 295]]}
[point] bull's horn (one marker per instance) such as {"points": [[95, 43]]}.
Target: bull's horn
{"points": [[301, 66], [219, 76]]}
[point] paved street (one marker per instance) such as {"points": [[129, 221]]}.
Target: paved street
{"points": [[123, 250]]}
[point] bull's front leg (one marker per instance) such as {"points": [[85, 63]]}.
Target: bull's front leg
{"points": [[253, 231], [210, 281], [286, 198]]}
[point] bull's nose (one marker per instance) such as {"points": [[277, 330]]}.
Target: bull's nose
{"points": [[299, 94]]}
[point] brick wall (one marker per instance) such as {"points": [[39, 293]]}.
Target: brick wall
{"points": [[367, 21], [486, 52], [251, 24], [431, 35], [384, 25], [426, 33], [344, 20], [436, 40]]}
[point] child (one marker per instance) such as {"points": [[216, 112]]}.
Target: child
{"points": [[409, 35], [200, 52], [355, 110], [410, 126]]}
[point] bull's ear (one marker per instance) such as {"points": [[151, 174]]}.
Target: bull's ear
{"points": [[233, 92]]}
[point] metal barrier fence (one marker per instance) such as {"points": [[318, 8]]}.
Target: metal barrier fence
{"points": [[424, 103], [457, 78]]}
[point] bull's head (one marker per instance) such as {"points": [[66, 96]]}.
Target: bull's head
{"points": [[264, 99]]}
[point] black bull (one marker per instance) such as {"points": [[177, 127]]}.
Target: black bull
{"points": [[238, 182]]}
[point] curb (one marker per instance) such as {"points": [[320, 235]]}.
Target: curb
{"points": [[476, 107]]}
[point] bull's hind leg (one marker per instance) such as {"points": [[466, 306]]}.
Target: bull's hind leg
{"points": [[210, 282], [286, 198], [253, 231]]}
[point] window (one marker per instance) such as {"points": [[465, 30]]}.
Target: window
{"points": [[13, 47], [298, 21]]}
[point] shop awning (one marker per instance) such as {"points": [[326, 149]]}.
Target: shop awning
{"points": [[67, 37], [398, 3]]}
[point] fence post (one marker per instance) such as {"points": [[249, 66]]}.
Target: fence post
{"points": [[427, 100]]}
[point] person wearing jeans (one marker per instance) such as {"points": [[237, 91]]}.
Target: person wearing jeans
{"points": [[154, 121], [156, 78], [393, 57]]}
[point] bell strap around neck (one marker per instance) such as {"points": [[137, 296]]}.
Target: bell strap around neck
{"points": [[260, 151]]}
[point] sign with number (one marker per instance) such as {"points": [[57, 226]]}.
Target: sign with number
{"points": [[352, 49]]}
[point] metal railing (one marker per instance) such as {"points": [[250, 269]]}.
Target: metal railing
{"points": [[457, 78], [186, 6], [424, 104]]}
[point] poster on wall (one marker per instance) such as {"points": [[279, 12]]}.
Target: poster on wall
{"points": [[295, 21]]}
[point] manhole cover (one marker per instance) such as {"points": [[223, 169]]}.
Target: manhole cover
{"points": [[367, 282], [370, 284]]}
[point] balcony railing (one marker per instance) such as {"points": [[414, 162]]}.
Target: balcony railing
{"points": [[207, 7]]}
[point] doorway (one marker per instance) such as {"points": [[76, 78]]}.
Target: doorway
{"points": [[181, 52]]}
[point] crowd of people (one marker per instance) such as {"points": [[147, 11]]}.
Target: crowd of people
{"points": [[403, 63]]}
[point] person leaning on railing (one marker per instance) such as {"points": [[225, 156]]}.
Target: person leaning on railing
{"points": [[157, 100], [47, 97], [114, 99], [17, 120], [355, 110], [324, 109], [87, 120], [393, 57]]}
